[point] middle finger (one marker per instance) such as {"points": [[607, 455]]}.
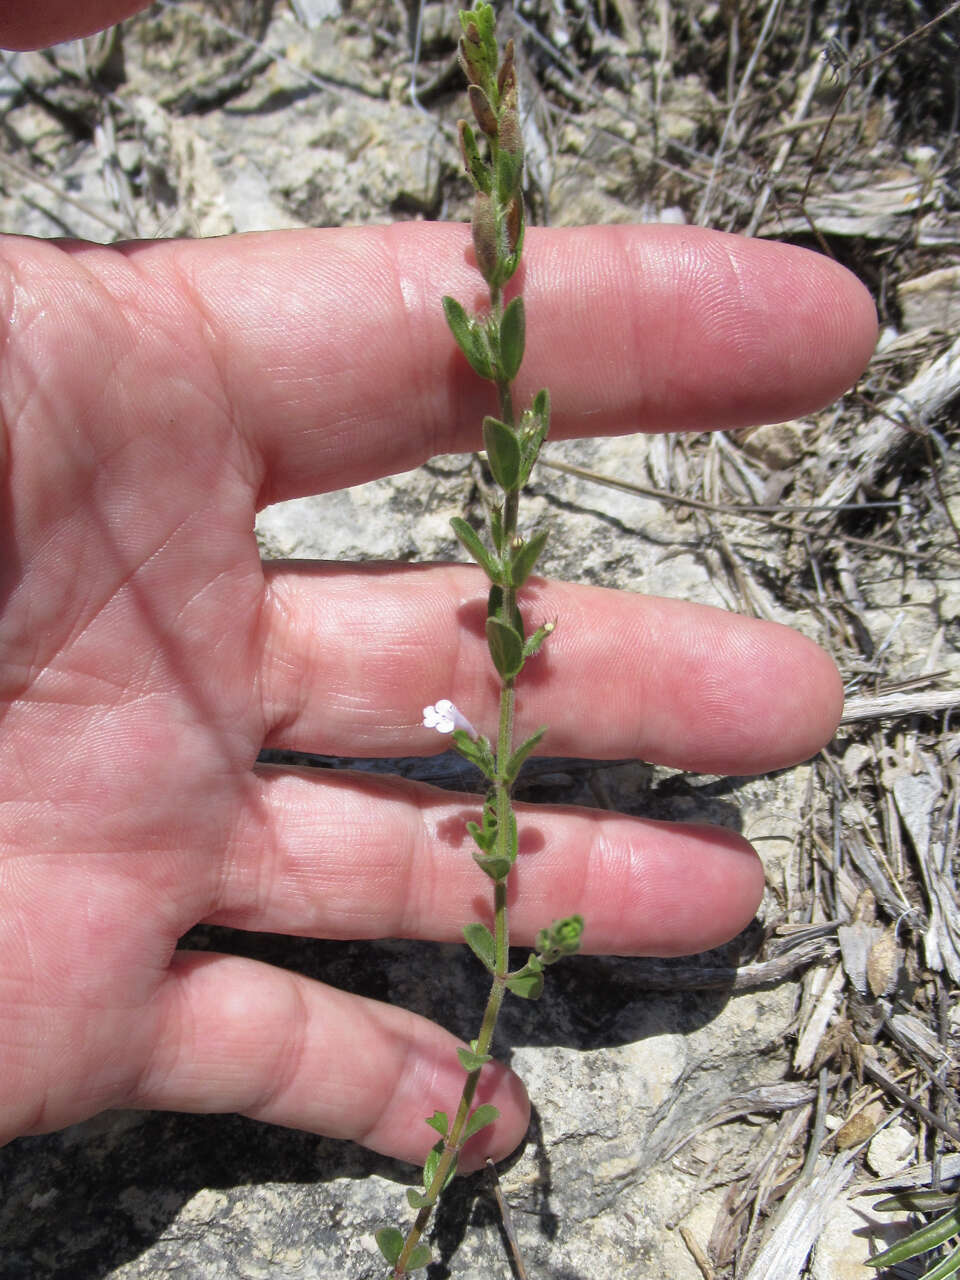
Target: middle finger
{"points": [[354, 653]]}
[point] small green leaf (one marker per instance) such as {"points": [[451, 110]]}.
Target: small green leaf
{"points": [[477, 171], [484, 840], [508, 174], [527, 983], [440, 1122], [506, 648], [483, 15], [537, 639], [471, 541], [471, 1061], [496, 608], [478, 753], [530, 448], [534, 426], [495, 866], [521, 753], [480, 941], [512, 337], [430, 1168], [420, 1256], [389, 1242], [503, 452], [475, 56], [526, 556], [484, 1115], [417, 1199], [470, 337], [485, 834]]}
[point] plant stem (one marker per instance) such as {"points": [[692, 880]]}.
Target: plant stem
{"points": [[454, 1143], [501, 935]]}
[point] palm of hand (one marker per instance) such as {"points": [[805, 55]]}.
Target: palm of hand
{"points": [[132, 639]]}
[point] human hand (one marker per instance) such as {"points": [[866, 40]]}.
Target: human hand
{"points": [[152, 396]]}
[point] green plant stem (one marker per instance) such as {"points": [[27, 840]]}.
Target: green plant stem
{"points": [[454, 1143], [501, 934]]}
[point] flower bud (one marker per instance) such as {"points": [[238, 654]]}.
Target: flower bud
{"points": [[511, 139], [482, 110], [508, 72], [514, 222], [484, 228]]}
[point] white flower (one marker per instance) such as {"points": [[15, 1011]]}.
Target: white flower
{"points": [[444, 717]]}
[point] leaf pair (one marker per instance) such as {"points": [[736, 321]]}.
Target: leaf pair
{"points": [[471, 1059], [390, 1243], [512, 452], [494, 855], [477, 751], [493, 350], [527, 983], [509, 650]]}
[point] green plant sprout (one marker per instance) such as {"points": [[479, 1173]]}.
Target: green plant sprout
{"points": [[493, 344], [927, 1237]]}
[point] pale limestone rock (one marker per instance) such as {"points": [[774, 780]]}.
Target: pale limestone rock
{"points": [[932, 301], [891, 1150]]}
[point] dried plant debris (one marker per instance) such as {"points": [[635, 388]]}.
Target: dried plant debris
{"points": [[832, 125]]}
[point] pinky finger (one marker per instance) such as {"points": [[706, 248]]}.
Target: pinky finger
{"points": [[239, 1035]]}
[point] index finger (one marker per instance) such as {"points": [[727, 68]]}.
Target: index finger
{"points": [[337, 364]]}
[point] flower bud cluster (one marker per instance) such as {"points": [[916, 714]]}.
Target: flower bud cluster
{"points": [[498, 220]]}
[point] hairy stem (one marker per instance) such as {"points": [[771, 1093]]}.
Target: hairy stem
{"points": [[454, 1143], [501, 935]]}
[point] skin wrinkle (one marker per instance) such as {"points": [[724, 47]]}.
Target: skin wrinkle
{"points": [[279, 668], [416, 1078], [213, 342], [423, 378], [50, 290], [237, 892], [166, 1049], [91, 617], [282, 1080], [410, 877], [8, 320], [158, 307]]}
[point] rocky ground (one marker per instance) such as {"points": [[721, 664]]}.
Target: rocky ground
{"points": [[726, 1116]]}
